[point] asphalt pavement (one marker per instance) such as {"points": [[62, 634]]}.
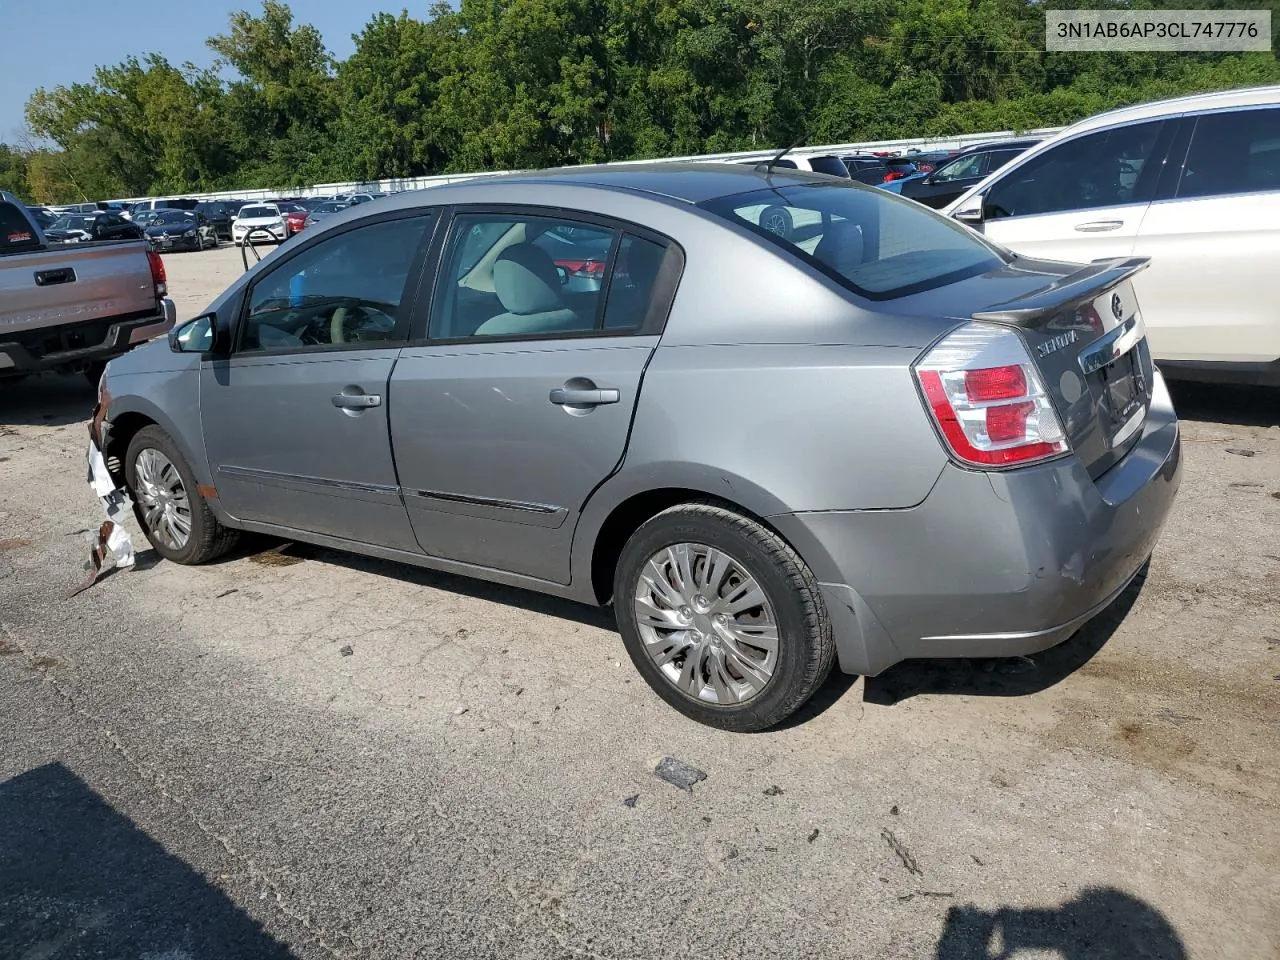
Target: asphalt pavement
{"points": [[299, 753]]}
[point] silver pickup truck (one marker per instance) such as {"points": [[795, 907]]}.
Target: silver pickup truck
{"points": [[73, 307]]}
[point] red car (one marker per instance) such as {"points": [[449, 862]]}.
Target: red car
{"points": [[295, 216]]}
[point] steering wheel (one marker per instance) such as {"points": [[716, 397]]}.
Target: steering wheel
{"points": [[337, 325], [373, 322]]}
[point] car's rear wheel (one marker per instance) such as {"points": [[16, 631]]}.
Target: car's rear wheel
{"points": [[721, 617], [167, 503]]}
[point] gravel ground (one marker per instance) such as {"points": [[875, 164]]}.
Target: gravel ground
{"points": [[309, 754]]}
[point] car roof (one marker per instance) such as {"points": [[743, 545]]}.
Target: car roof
{"points": [[1001, 145], [691, 183], [1221, 100]]}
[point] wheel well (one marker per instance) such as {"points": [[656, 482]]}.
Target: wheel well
{"points": [[123, 429], [627, 517]]}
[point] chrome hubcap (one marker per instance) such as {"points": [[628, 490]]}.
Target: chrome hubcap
{"points": [[707, 623], [165, 508]]}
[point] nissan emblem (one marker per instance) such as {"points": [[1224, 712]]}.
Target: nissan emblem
{"points": [[1117, 308]]}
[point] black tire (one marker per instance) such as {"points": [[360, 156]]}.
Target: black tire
{"points": [[777, 220], [208, 538], [806, 647]]}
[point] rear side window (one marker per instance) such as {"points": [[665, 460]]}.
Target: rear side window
{"points": [[874, 242], [16, 233], [515, 275], [1237, 152]]}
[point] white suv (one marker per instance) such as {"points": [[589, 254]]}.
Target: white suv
{"points": [[1192, 183]]}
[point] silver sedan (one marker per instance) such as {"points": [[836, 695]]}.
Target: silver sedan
{"points": [[869, 437]]}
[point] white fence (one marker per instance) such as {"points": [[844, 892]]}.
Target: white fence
{"points": [[396, 185]]}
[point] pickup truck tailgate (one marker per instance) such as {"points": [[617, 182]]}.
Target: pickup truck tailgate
{"points": [[74, 283]]}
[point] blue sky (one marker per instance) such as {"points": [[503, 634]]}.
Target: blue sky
{"points": [[44, 43]]}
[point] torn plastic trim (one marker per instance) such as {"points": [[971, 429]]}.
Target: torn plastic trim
{"points": [[112, 546]]}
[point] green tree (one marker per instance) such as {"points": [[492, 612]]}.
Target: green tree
{"points": [[13, 172]]}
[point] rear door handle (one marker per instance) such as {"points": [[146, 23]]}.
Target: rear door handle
{"points": [[584, 397], [1099, 226], [357, 401]]}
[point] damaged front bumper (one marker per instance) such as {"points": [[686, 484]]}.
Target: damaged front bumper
{"points": [[112, 545]]}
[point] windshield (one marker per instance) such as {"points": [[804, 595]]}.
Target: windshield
{"points": [[878, 244], [258, 213], [170, 216]]}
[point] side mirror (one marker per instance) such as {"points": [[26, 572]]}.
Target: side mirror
{"points": [[201, 335], [971, 213]]}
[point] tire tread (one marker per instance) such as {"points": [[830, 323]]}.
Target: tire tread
{"points": [[817, 622]]}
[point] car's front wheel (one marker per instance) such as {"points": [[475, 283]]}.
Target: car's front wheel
{"points": [[167, 503], [721, 617]]}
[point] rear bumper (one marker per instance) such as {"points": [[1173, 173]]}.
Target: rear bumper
{"points": [[79, 344], [991, 564]]}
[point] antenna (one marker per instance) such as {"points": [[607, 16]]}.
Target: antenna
{"points": [[768, 167]]}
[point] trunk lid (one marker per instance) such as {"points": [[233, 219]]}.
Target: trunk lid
{"points": [[1086, 336]]}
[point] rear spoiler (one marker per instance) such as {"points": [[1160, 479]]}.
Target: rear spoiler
{"points": [[1067, 293]]}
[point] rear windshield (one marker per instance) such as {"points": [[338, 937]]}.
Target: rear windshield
{"points": [[872, 241], [15, 232]]}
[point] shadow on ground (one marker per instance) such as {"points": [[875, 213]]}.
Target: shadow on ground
{"points": [[1223, 403], [262, 549], [79, 880], [47, 400], [1005, 677], [1100, 924]]}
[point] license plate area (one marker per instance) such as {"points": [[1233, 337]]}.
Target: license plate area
{"points": [[1125, 394]]}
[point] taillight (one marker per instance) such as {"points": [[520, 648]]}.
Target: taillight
{"points": [[159, 279], [987, 398]]}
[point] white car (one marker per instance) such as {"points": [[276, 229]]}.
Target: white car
{"points": [[1192, 183], [255, 218]]}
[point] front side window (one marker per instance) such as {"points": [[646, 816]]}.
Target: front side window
{"points": [[345, 290], [1234, 152], [959, 168], [1102, 169], [510, 275], [878, 244]]}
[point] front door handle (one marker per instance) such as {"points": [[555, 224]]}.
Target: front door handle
{"points": [[575, 396], [1099, 226], [357, 401]]}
